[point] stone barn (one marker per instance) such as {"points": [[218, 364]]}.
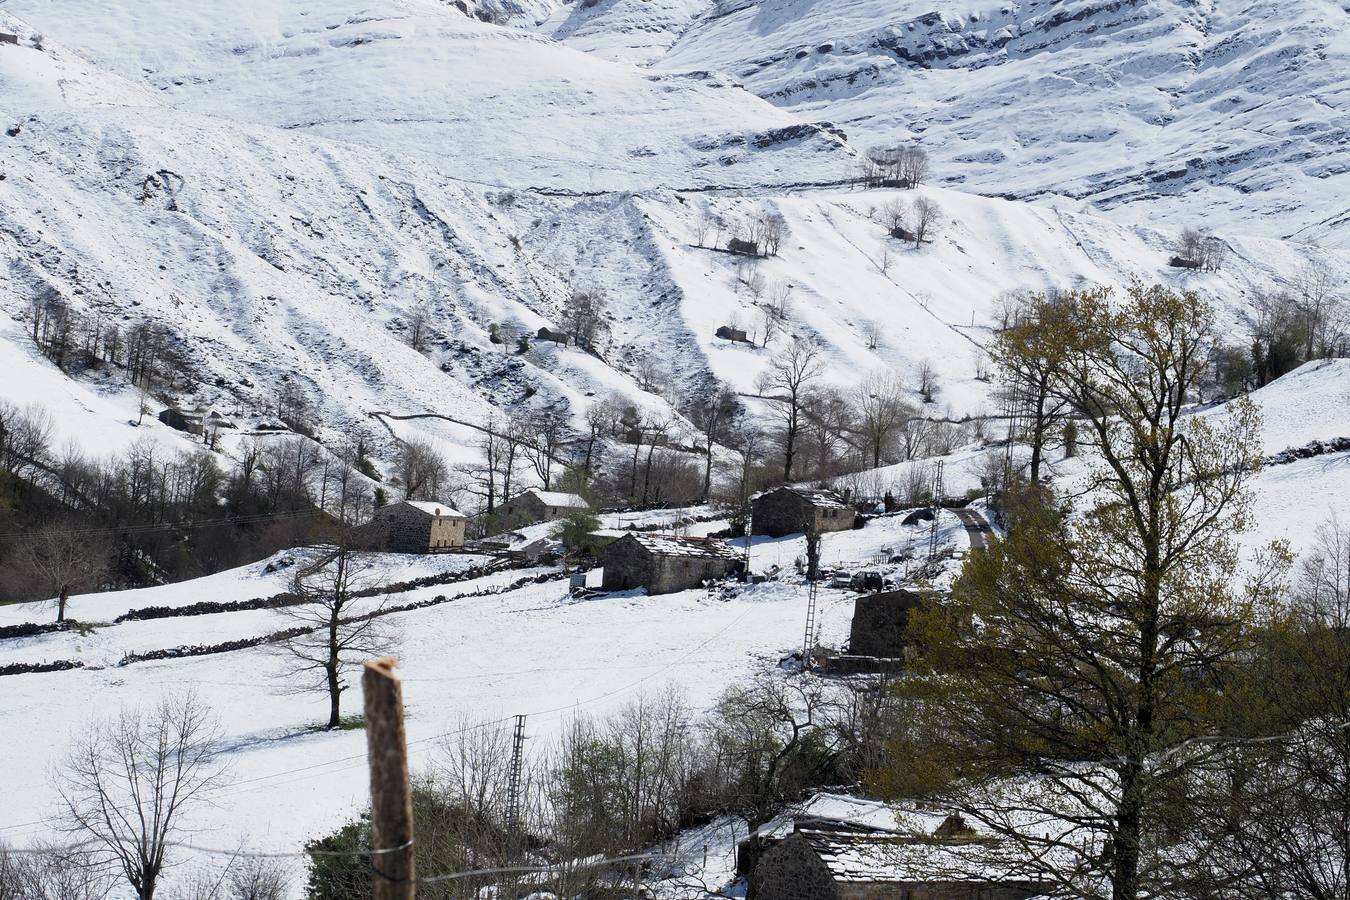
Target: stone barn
{"points": [[826, 864], [735, 335], [789, 510], [879, 622], [415, 526], [548, 334], [664, 564], [7, 38], [536, 505], [743, 247]]}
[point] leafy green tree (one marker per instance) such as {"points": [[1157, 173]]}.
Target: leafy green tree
{"points": [[1078, 662]]}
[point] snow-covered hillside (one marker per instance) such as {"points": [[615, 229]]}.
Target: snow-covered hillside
{"points": [[283, 186], [1234, 115]]}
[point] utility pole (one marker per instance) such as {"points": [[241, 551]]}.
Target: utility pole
{"points": [[937, 512], [391, 816], [513, 825]]}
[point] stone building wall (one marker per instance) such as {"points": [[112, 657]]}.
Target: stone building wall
{"points": [[783, 512], [879, 622], [790, 870]]}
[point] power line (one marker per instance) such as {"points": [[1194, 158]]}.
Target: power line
{"points": [[112, 530]]}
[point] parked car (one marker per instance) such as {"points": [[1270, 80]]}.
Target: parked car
{"points": [[872, 580], [842, 578]]}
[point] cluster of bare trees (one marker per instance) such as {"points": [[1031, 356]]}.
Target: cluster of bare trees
{"points": [[1205, 250], [1305, 320], [878, 424], [618, 783], [78, 522], [761, 233], [902, 166], [915, 222], [75, 341]]}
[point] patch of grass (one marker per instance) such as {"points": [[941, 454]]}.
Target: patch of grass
{"points": [[87, 628]]}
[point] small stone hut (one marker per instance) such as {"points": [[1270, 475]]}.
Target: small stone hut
{"points": [[193, 421], [727, 333], [743, 247], [825, 864], [1181, 262], [879, 623], [548, 334], [789, 510], [664, 564], [416, 526], [7, 38], [536, 505]]}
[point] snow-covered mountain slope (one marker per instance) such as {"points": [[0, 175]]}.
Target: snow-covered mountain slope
{"points": [[489, 104], [281, 186], [1234, 114]]}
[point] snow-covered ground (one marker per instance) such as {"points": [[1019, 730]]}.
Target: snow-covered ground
{"points": [[533, 650]]}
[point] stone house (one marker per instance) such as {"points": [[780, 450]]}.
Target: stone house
{"points": [[548, 334], [193, 421], [537, 505], [7, 38], [1181, 262], [743, 247], [727, 333], [827, 864], [415, 526], [879, 622], [789, 510], [664, 564]]}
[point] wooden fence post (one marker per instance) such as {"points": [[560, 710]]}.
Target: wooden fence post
{"points": [[395, 875]]}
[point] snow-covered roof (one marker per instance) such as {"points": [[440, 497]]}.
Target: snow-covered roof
{"points": [[694, 548], [431, 508], [823, 498], [558, 499], [882, 858]]}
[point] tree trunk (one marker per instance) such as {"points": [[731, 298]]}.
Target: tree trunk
{"points": [[334, 699], [61, 603]]}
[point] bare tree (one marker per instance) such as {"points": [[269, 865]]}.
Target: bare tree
{"points": [[927, 217], [419, 325], [884, 258], [259, 879], [926, 381], [785, 385], [329, 637], [128, 782], [420, 469], [548, 430], [584, 315], [53, 873], [880, 412], [914, 165], [713, 412], [64, 561]]}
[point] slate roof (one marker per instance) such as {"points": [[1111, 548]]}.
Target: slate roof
{"points": [[445, 510], [889, 858], [692, 548], [819, 498], [560, 500]]}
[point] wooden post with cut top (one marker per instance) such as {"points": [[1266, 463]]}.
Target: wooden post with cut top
{"points": [[394, 875]]}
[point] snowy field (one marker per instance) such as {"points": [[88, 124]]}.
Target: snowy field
{"points": [[534, 650]]}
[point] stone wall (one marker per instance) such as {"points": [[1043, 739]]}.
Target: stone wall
{"points": [[879, 622], [791, 870]]}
